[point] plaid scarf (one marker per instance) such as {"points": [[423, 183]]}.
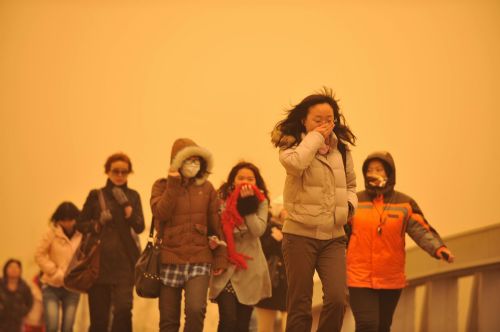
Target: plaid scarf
{"points": [[231, 218]]}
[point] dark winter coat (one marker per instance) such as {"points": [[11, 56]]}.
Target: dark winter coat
{"points": [[14, 306], [276, 266], [188, 211], [119, 250]]}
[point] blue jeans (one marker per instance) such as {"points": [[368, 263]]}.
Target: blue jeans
{"points": [[55, 298]]}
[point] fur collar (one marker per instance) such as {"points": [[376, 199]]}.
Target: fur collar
{"points": [[184, 148]]}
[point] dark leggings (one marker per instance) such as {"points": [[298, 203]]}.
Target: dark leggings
{"points": [[103, 297], [233, 316], [373, 308]]}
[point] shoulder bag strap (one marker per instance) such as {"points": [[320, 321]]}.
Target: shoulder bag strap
{"points": [[159, 234], [102, 201]]}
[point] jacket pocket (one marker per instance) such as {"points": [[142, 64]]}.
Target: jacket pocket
{"points": [[200, 235], [174, 236], [310, 210]]}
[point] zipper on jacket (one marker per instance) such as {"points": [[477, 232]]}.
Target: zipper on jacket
{"points": [[403, 226], [189, 200]]}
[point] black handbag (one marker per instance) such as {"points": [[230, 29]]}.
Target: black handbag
{"points": [[274, 264], [83, 269], [147, 269]]}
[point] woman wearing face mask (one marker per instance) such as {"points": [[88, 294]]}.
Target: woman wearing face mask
{"points": [[376, 251], [53, 256], [184, 206], [119, 252], [319, 196], [244, 214]]}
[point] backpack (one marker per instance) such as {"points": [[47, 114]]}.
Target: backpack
{"points": [[343, 151]]}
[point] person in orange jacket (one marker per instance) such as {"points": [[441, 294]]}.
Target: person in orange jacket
{"points": [[376, 250]]}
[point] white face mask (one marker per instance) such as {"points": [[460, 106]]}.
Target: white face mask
{"points": [[377, 180], [189, 169]]}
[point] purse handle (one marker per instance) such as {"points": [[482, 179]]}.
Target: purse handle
{"points": [[103, 207], [102, 201], [159, 235]]}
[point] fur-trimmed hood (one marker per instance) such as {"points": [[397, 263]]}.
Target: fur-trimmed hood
{"points": [[184, 148]]}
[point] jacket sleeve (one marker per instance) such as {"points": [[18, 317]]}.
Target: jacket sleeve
{"points": [[351, 182], [164, 198], [42, 257], [88, 217], [136, 221], [421, 232], [215, 228], [297, 159], [257, 222]]}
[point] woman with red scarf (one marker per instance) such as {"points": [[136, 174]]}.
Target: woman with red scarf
{"points": [[244, 214]]}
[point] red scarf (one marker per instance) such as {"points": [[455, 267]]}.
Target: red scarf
{"points": [[232, 218]]}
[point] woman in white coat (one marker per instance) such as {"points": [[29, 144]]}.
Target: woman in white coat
{"points": [[53, 256], [319, 196]]}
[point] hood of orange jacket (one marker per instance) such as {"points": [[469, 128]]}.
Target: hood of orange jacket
{"points": [[390, 169]]}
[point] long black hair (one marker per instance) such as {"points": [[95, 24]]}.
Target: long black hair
{"points": [[293, 124], [226, 188], [65, 211]]}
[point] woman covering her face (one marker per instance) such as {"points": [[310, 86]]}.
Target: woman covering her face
{"points": [[244, 214], [319, 196], [184, 206]]}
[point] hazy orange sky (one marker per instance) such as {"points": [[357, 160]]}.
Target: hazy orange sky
{"points": [[80, 80]]}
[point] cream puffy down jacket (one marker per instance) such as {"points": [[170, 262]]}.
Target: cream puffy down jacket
{"points": [[54, 254], [317, 188]]}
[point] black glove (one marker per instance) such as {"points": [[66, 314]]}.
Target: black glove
{"points": [[105, 217], [120, 196], [247, 205]]}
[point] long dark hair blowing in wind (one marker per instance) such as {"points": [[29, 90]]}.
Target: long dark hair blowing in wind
{"points": [[293, 124]]}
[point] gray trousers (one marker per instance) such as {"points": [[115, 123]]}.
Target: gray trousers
{"points": [[195, 305], [302, 257]]}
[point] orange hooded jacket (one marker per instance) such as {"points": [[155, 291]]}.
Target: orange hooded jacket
{"points": [[376, 251]]}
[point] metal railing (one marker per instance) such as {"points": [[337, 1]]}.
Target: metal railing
{"points": [[442, 297], [463, 296]]}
